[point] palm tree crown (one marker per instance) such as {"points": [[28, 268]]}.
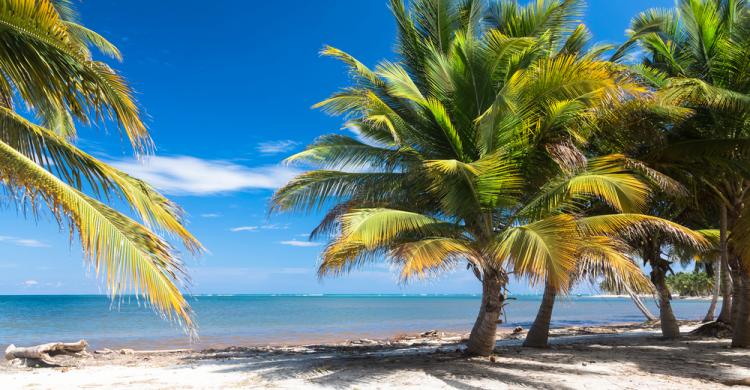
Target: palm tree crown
{"points": [[472, 148]]}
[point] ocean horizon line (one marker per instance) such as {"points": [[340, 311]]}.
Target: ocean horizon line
{"points": [[300, 295]]}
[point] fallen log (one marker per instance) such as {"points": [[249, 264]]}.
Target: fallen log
{"points": [[50, 354]]}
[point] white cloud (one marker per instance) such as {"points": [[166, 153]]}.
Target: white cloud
{"points": [[275, 226], [31, 243], [276, 147], [299, 243], [30, 283], [185, 175], [243, 229], [210, 215], [27, 242]]}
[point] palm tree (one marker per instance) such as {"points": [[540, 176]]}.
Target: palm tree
{"points": [[468, 150], [46, 67], [597, 260], [697, 54]]}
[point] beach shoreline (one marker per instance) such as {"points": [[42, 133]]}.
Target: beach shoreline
{"points": [[612, 356]]}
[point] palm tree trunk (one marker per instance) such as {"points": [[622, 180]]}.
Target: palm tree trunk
{"points": [[725, 315], [539, 333], [741, 326], [736, 290], [640, 305], [484, 333], [715, 296], [669, 327]]}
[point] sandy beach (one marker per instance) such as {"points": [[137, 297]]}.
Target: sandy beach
{"points": [[611, 357]]}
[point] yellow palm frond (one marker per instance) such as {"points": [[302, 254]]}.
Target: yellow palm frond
{"points": [[606, 257], [41, 57], [424, 258], [638, 226], [133, 258], [605, 179], [81, 169], [541, 250]]}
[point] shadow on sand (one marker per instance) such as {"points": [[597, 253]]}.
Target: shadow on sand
{"points": [[595, 357]]}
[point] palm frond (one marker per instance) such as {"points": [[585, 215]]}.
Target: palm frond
{"points": [[544, 250], [133, 258], [633, 227], [425, 258]]}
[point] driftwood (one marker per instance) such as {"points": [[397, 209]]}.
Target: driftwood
{"points": [[51, 354]]}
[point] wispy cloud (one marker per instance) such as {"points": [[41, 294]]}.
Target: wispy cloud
{"points": [[276, 147], [253, 228], [185, 175], [27, 242], [244, 229], [210, 215], [31, 243], [29, 283], [302, 244], [275, 226]]}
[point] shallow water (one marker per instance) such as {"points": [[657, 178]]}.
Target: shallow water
{"points": [[290, 319]]}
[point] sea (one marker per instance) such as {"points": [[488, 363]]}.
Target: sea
{"points": [[249, 320]]}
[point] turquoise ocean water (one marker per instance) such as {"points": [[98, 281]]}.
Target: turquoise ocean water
{"points": [[287, 319]]}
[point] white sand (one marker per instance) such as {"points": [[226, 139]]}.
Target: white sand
{"points": [[632, 359]]}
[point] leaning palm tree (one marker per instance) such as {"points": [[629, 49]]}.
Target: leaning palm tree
{"points": [[46, 68], [697, 55], [468, 150]]}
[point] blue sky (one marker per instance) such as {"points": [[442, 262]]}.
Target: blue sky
{"points": [[227, 88]]}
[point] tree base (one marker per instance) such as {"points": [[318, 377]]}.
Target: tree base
{"points": [[713, 329], [47, 355]]}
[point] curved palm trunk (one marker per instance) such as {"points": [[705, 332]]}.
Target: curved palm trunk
{"points": [[725, 315], [484, 332], [741, 335], [715, 296], [538, 335], [669, 327], [640, 305]]}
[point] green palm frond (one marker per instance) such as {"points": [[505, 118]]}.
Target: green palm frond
{"points": [[357, 68], [556, 18], [378, 227], [314, 190], [336, 151]]}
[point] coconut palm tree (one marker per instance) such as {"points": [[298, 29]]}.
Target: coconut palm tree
{"points": [[47, 69], [697, 55], [606, 260], [467, 149]]}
